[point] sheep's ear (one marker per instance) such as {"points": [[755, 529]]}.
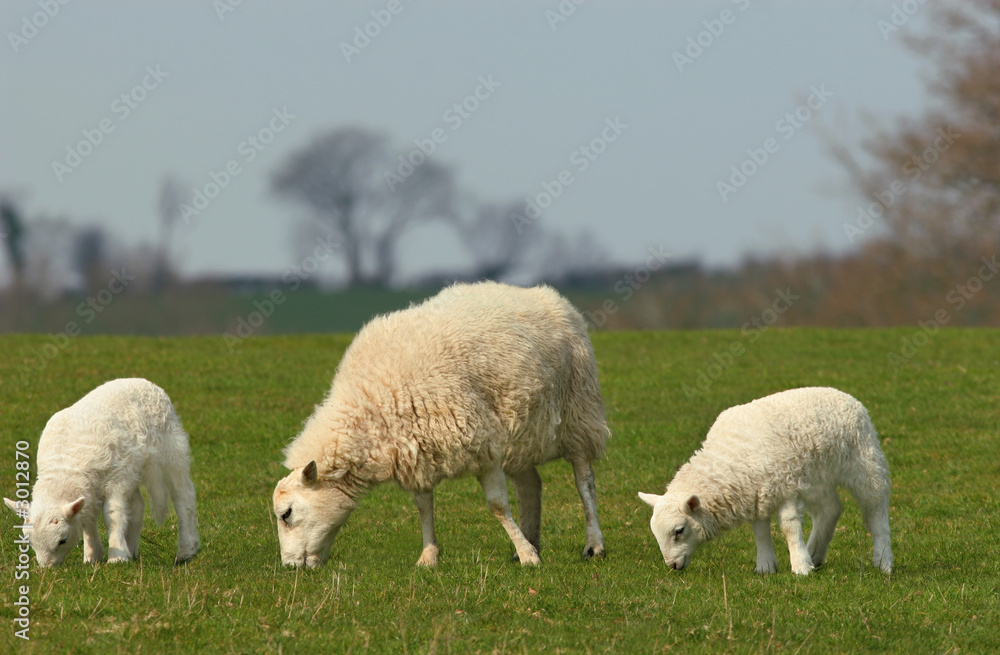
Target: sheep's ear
{"points": [[72, 509], [692, 504], [649, 499], [13, 506], [309, 473]]}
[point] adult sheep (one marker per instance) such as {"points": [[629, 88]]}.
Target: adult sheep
{"points": [[483, 379], [778, 454], [92, 456]]}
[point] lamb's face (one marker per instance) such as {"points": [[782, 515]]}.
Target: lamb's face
{"points": [[55, 531], [309, 515], [675, 525]]}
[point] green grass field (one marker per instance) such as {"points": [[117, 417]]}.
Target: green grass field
{"points": [[938, 418]]}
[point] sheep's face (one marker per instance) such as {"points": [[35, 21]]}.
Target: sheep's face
{"points": [[676, 527], [310, 513], [55, 529]]}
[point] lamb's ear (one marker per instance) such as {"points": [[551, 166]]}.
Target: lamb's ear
{"points": [[13, 506], [72, 509], [309, 473], [692, 504], [649, 499]]}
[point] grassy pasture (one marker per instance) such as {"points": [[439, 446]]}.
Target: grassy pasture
{"points": [[938, 417]]}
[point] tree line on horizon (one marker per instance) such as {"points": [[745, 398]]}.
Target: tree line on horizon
{"points": [[925, 226]]}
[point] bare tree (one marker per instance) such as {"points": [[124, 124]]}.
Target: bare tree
{"points": [[497, 248], [90, 252], [340, 177], [935, 181], [12, 234], [172, 196]]}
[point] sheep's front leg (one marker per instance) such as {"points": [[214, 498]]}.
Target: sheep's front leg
{"points": [[584, 474], [790, 520], [425, 505], [528, 485], [93, 550], [494, 485], [116, 520], [766, 560]]}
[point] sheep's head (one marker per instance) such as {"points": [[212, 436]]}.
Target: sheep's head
{"points": [[55, 528], [676, 524], [310, 512]]}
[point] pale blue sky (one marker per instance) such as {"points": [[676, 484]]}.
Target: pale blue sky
{"points": [[654, 185]]}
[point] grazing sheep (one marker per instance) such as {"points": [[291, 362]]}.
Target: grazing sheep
{"points": [[92, 457], [778, 454], [484, 379]]}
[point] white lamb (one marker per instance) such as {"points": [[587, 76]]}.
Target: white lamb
{"points": [[778, 454], [483, 379], [92, 457]]}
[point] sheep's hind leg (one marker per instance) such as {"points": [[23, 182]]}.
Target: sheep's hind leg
{"points": [[584, 474], [876, 519], [425, 505], [825, 513], [494, 485], [790, 520], [766, 560], [528, 485], [136, 508]]}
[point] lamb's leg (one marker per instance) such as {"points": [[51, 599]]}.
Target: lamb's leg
{"points": [[825, 514], [425, 505], [136, 508], [116, 520], [584, 475], [93, 550], [790, 520], [528, 485], [766, 560], [876, 518], [182, 494], [494, 485]]}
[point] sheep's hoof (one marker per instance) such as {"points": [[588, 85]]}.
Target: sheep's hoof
{"points": [[533, 560], [429, 557], [184, 558], [116, 560], [593, 551], [766, 568]]}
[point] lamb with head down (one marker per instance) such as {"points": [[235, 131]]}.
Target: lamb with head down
{"points": [[780, 454]]}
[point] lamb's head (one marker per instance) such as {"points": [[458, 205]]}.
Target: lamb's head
{"points": [[677, 526], [55, 528], [310, 512]]}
